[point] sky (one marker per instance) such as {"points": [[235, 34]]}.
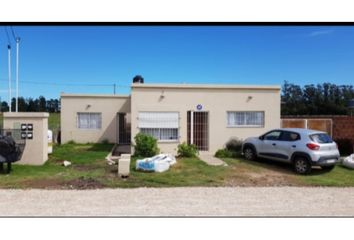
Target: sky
{"points": [[90, 59]]}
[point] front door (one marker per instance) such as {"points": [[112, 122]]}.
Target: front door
{"points": [[123, 128], [198, 129]]}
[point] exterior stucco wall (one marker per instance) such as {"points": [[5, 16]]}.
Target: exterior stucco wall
{"points": [[217, 101], [36, 149], [107, 105]]}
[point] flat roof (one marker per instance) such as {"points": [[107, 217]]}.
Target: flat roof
{"points": [[26, 114], [207, 86], [76, 95]]}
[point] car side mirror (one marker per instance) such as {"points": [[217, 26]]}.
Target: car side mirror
{"points": [[261, 138]]}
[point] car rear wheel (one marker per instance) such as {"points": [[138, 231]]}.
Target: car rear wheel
{"points": [[249, 153], [302, 165]]}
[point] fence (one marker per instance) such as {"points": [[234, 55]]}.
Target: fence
{"points": [[341, 128]]}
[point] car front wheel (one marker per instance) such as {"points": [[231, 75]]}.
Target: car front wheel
{"points": [[249, 153], [302, 165]]}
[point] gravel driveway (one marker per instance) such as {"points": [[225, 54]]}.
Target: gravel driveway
{"points": [[197, 201]]}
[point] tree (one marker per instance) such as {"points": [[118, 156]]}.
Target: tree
{"points": [[4, 107], [320, 99], [42, 104], [292, 99], [31, 105]]}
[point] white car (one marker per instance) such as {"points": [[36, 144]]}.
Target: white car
{"points": [[303, 148]]}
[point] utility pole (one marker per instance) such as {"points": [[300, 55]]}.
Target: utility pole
{"points": [[9, 65], [114, 89], [17, 62]]}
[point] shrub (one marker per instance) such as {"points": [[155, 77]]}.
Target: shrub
{"points": [[146, 145], [105, 141], [234, 145], [71, 142], [223, 153], [345, 146], [187, 150]]}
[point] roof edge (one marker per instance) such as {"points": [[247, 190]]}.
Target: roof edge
{"points": [[78, 95], [207, 86]]}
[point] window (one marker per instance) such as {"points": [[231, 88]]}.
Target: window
{"points": [[274, 135], [245, 119], [321, 138], [89, 120], [290, 136], [161, 125]]}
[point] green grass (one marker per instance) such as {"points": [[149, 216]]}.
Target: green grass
{"points": [[54, 121], [88, 162], [186, 172], [90, 156], [339, 177], [89, 165]]}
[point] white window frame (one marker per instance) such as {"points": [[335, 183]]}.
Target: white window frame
{"points": [[244, 126], [89, 120], [159, 128]]}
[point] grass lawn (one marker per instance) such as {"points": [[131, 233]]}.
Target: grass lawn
{"points": [[89, 170], [54, 121]]}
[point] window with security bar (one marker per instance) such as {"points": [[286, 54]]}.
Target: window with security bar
{"points": [[89, 120], [245, 119], [161, 125]]}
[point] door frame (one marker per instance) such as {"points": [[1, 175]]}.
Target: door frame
{"points": [[191, 126], [118, 134]]}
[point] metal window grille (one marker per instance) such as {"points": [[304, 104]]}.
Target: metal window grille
{"points": [[251, 118], [161, 125], [198, 129], [89, 120]]}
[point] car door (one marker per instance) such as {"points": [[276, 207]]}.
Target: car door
{"points": [[268, 145], [287, 145]]}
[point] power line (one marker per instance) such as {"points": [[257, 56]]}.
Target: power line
{"points": [[73, 84]]}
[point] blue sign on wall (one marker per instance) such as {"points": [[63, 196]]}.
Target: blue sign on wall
{"points": [[199, 107]]}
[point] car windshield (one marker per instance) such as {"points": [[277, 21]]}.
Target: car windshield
{"points": [[321, 138]]}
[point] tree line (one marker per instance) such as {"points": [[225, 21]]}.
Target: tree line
{"points": [[320, 99], [40, 104]]}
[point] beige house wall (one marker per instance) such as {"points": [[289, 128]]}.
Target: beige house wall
{"points": [[36, 149], [107, 105], [216, 99]]}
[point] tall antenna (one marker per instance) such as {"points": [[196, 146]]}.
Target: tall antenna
{"points": [[9, 69], [17, 39]]}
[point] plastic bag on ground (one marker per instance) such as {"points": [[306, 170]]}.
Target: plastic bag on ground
{"points": [[158, 163], [349, 162]]}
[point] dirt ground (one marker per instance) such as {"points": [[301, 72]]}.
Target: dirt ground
{"points": [[275, 174], [51, 184]]}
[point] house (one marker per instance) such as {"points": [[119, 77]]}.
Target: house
{"points": [[206, 115]]}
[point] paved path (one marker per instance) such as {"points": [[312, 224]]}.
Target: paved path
{"points": [[238, 201], [211, 160]]}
